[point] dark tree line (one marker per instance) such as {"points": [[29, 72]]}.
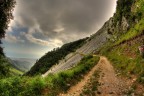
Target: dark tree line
{"points": [[6, 8]]}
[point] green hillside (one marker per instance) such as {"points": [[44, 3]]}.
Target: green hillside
{"points": [[22, 64], [6, 70]]}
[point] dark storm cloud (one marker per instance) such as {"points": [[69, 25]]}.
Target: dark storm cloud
{"points": [[62, 20]]}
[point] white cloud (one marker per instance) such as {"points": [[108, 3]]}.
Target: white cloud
{"points": [[50, 43], [13, 39], [10, 38]]}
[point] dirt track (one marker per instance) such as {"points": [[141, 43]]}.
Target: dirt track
{"points": [[110, 84]]}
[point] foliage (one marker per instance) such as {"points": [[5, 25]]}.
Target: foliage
{"points": [[4, 67], [15, 72], [6, 8], [52, 85], [132, 10], [21, 86], [139, 9], [51, 58], [6, 70], [123, 9]]}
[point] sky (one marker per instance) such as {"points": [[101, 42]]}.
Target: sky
{"points": [[41, 25]]}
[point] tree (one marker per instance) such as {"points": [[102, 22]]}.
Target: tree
{"points": [[6, 8]]}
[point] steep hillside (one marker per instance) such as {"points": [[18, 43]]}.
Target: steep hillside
{"points": [[51, 58], [6, 69]]}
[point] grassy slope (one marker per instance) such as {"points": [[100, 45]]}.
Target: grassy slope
{"points": [[6, 69], [124, 53], [51, 85]]}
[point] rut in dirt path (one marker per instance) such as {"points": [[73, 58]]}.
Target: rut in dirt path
{"points": [[110, 84]]}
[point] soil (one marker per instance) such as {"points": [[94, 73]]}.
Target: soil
{"points": [[110, 83]]}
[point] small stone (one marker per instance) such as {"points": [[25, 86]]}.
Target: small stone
{"points": [[110, 92], [68, 84], [142, 78], [98, 92], [132, 94]]}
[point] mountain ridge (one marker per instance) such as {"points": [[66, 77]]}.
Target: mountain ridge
{"points": [[22, 64]]}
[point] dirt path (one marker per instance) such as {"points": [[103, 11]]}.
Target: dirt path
{"points": [[110, 85], [77, 89]]}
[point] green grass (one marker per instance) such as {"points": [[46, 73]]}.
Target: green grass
{"points": [[14, 71], [51, 85], [21, 86], [126, 58], [6, 70], [63, 80], [126, 64]]}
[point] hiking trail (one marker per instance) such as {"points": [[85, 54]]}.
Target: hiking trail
{"points": [[110, 83]]}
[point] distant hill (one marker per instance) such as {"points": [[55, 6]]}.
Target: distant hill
{"points": [[6, 68], [22, 64]]}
